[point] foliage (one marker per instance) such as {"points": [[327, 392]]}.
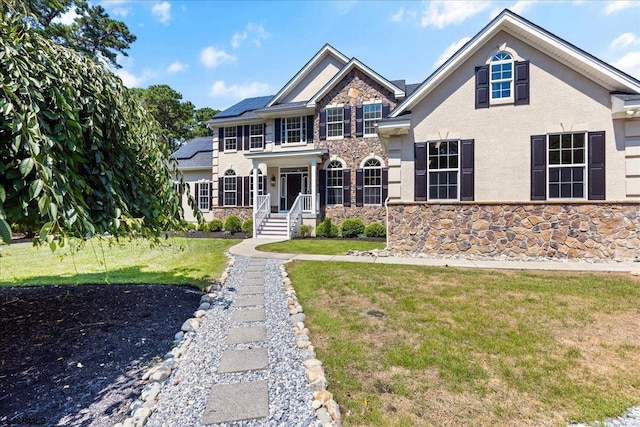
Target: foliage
{"points": [[247, 227], [200, 117], [78, 155], [375, 229], [305, 231], [92, 33], [232, 224], [190, 226], [327, 229], [215, 225], [352, 227]]}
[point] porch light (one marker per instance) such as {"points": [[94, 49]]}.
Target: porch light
{"points": [[273, 180]]}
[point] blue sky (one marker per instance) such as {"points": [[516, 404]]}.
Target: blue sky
{"points": [[216, 53]]}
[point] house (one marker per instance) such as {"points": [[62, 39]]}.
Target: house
{"points": [[194, 160], [519, 145]]}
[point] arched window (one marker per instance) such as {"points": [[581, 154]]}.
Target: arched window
{"points": [[502, 76], [372, 174], [334, 183], [230, 188]]}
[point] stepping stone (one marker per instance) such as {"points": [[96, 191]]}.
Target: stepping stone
{"points": [[251, 290], [249, 301], [252, 275], [237, 402], [253, 281], [243, 360], [247, 334], [240, 316], [255, 269]]}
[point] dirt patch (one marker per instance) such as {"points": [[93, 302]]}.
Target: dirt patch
{"points": [[74, 355]]}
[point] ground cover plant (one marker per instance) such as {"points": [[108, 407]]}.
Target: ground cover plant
{"points": [[319, 246], [407, 345]]}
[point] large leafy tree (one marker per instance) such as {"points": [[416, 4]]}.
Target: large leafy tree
{"points": [[92, 32], [200, 118], [78, 154]]}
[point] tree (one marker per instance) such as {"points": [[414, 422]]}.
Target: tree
{"points": [[200, 118], [93, 32], [78, 154], [175, 117]]}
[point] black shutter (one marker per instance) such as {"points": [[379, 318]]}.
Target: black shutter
{"points": [[521, 83], [359, 187], [539, 167], [220, 139], [197, 194], [239, 138], [385, 184], [482, 87], [309, 129], [385, 110], [323, 187], [596, 166], [264, 186], [359, 123], [323, 124], [247, 186], [466, 170], [246, 138], [210, 194], [420, 186], [346, 187], [238, 191], [220, 192], [347, 122], [276, 131]]}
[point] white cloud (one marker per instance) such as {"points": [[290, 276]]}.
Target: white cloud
{"points": [[397, 17], [177, 66], [162, 11], [617, 5], [68, 17], [255, 33], [130, 79], [246, 90], [450, 50], [211, 57], [629, 63], [520, 7], [625, 40], [442, 13], [122, 12], [237, 39]]}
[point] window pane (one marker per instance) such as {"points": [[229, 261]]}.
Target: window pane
{"points": [[566, 141], [554, 157], [554, 191], [554, 142], [578, 189], [565, 190]]}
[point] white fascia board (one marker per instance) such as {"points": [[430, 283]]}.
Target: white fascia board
{"points": [[327, 49], [395, 127]]}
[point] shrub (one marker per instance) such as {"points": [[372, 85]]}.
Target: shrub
{"points": [[352, 227], [247, 227], [305, 231], [215, 225], [375, 229], [190, 226], [232, 224], [327, 229]]}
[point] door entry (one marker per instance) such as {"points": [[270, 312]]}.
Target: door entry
{"points": [[292, 183]]}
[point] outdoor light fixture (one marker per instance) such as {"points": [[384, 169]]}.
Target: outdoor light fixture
{"points": [[273, 180]]}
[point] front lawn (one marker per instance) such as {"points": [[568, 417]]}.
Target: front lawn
{"points": [[319, 246], [407, 345], [178, 261]]}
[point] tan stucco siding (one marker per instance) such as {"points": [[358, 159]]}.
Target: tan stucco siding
{"points": [[561, 100], [191, 177], [314, 81]]}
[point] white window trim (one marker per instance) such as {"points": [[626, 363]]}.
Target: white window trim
{"points": [[225, 191], [365, 186], [261, 135], [235, 138], [334, 137], [326, 183], [585, 190], [364, 121], [303, 129], [502, 100], [204, 184], [457, 170]]}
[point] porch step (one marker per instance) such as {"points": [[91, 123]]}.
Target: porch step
{"points": [[273, 227]]}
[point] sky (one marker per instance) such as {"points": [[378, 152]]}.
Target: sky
{"points": [[216, 53]]}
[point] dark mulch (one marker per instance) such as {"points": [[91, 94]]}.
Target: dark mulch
{"points": [[75, 355]]}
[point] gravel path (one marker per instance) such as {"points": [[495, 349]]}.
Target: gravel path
{"points": [[184, 398]]}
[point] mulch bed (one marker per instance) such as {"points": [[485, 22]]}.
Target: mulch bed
{"points": [[75, 355]]}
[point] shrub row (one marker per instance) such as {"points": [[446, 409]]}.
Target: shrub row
{"points": [[350, 228], [231, 225]]}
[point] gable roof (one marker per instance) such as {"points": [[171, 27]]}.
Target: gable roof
{"points": [[248, 104], [326, 50], [572, 56], [195, 154], [354, 63]]}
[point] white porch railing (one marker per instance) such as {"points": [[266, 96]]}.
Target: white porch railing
{"points": [[306, 202], [294, 216], [262, 212]]}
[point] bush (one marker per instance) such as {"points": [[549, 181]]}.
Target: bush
{"points": [[352, 227], [247, 227], [327, 229], [305, 231], [215, 225], [190, 226], [232, 224], [375, 229]]}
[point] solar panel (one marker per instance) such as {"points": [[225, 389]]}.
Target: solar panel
{"points": [[190, 148], [243, 106]]}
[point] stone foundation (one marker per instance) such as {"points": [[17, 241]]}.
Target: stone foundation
{"points": [[368, 214], [244, 213], [518, 230]]}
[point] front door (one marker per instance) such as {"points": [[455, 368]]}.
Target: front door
{"points": [[292, 183]]}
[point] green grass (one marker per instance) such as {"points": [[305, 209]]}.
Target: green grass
{"points": [[177, 261], [321, 246], [469, 347]]}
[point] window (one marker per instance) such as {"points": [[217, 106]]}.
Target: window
{"points": [[203, 195], [371, 113], [335, 117], [443, 166], [294, 130], [372, 182], [230, 139], [256, 136], [502, 76], [334, 183], [567, 165], [230, 188], [260, 186]]}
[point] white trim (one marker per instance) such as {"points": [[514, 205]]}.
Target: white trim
{"points": [[457, 170], [372, 156], [584, 165], [334, 158]]}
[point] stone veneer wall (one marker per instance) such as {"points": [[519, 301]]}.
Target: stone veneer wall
{"points": [[243, 213], [368, 214], [518, 230]]}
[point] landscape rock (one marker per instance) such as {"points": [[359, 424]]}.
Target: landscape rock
{"points": [[190, 325], [160, 374]]}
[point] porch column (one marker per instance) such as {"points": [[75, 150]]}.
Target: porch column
{"points": [[254, 172], [314, 171]]}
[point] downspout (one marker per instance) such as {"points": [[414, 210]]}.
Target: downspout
{"points": [[386, 208]]}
